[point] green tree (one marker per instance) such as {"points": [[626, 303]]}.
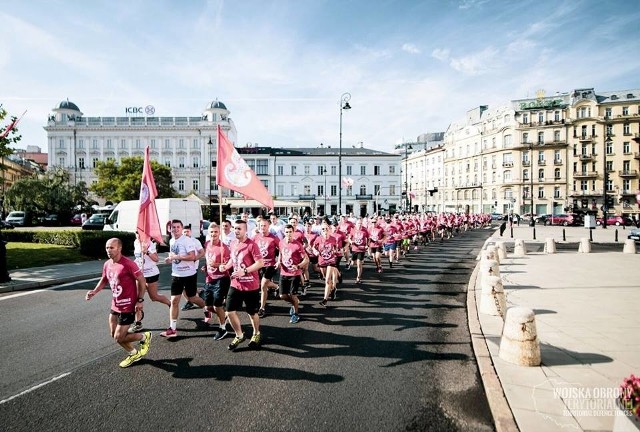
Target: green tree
{"points": [[121, 182], [12, 137]]}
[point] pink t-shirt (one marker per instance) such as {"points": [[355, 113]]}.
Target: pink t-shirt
{"points": [[268, 245], [375, 236], [327, 250], [244, 254], [359, 239], [341, 238], [311, 238], [216, 254], [291, 254], [122, 280]]}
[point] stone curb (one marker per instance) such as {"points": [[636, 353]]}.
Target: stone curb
{"points": [[22, 286], [502, 416]]}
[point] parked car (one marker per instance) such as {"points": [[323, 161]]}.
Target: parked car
{"points": [[634, 234], [51, 220], [76, 219], [95, 222], [497, 216], [543, 219], [17, 218], [616, 220], [565, 219], [5, 225]]}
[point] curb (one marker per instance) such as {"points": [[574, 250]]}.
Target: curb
{"points": [[502, 416], [27, 285]]}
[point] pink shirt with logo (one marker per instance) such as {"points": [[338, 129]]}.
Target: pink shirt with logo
{"points": [[244, 254], [291, 254], [268, 245], [216, 254], [375, 236], [327, 250], [122, 281], [359, 239]]}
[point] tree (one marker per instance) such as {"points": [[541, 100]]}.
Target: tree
{"points": [[121, 182]]}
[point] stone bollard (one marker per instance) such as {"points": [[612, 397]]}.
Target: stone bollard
{"points": [[519, 248], [629, 246], [490, 267], [492, 253], [502, 250], [519, 343], [585, 246], [549, 246], [492, 300]]}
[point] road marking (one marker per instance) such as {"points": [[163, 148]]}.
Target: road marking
{"points": [[22, 393], [24, 293]]}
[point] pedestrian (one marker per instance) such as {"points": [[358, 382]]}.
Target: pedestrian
{"points": [[199, 254], [216, 287], [146, 257], [245, 261], [268, 245], [127, 285], [326, 247], [291, 260], [503, 227], [184, 277], [358, 241]]}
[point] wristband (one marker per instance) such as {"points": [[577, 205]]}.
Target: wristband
{"points": [[140, 300]]}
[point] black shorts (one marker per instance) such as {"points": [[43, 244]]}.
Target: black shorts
{"points": [[313, 259], [289, 285], [125, 318], [376, 249], [357, 256], [152, 279], [216, 292], [338, 259], [188, 284], [267, 272], [250, 299]]}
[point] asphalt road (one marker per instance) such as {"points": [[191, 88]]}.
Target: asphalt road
{"points": [[392, 354]]}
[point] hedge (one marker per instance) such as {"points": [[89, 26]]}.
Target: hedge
{"points": [[90, 243]]}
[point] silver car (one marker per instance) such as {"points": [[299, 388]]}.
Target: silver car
{"points": [[16, 218], [634, 234]]}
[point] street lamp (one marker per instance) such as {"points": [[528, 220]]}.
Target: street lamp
{"points": [[210, 182], [324, 171], [607, 141], [532, 221], [344, 105], [407, 203]]}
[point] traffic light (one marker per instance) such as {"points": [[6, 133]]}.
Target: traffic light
{"points": [[609, 201]]}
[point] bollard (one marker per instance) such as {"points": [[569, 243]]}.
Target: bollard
{"points": [[492, 300], [585, 246], [511, 231], [616, 237], [519, 248], [590, 234], [519, 343], [534, 233], [502, 250], [564, 235], [490, 267], [629, 246], [549, 245], [492, 253]]}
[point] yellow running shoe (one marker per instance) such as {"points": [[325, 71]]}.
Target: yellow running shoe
{"points": [[131, 359], [144, 345]]}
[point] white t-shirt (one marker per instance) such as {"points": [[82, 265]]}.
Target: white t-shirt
{"points": [[227, 238], [199, 249], [150, 267], [182, 246]]}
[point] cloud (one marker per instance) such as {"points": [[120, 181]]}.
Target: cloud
{"points": [[410, 48], [440, 54], [469, 4], [477, 63]]}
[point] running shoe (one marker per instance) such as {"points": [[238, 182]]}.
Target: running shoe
{"points": [[333, 294], [349, 265], [188, 306], [207, 316], [255, 341], [358, 281], [323, 303], [304, 291], [169, 333], [262, 313], [135, 327], [379, 269], [236, 341], [294, 319], [144, 345], [390, 264], [339, 277], [292, 311], [131, 359], [221, 333]]}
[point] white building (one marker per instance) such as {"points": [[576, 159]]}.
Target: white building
{"points": [[186, 144]]}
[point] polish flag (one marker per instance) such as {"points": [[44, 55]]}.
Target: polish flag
{"points": [[412, 195], [148, 222], [346, 182], [232, 172], [11, 126]]}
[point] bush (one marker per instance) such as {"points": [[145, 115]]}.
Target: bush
{"points": [[90, 243]]}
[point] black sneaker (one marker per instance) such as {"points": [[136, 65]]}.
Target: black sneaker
{"points": [[221, 333], [390, 264], [188, 306], [262, 313], [323, 303]]}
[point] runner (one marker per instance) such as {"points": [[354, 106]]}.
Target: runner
{"points": [[127, 287], [326, 247], [358, 240], [310, 238], [268, 245], [292, 260], [376, 240], [199, 254], [217, 283]]}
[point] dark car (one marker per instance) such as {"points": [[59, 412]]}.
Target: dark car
{"points": [[616, 220], [634, 234], [76, 219], [51, 220], [5, 225], [95, 222]]}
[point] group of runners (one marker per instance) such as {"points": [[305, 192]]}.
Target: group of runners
{"points": [[240, 267]]}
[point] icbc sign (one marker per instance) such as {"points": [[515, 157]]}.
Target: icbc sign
{"points": [[148, 110]]}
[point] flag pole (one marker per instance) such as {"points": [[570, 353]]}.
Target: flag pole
{"points": [[220, 203]]}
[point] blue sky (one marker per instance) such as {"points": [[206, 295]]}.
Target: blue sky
{"points": [[281, 66]]}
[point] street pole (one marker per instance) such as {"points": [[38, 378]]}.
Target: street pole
{"points": [[210, 178], [532, 221], [344, 105], [607, 140], [324, 171]]}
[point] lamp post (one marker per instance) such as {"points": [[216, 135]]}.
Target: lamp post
{"points": [[210, 182], [324, 171], [532, 220], [407, 203], [607, 141], [344, 105]]}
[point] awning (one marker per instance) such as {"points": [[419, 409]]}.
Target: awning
{"points": [[249, 203]]}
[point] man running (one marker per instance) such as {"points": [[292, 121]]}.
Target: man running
{"points": [[326, 247], [216, 287], [268, 245], [358, 240], [292, 260], [127, 287], [199, 254]]}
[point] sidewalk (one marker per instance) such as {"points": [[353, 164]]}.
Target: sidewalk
{"points": [[586, 318]]}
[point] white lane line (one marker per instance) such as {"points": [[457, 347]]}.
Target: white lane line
{"points": [[35, 387], [24, 293]]}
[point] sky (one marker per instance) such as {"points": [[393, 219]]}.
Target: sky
{"points": [[281, 66]]}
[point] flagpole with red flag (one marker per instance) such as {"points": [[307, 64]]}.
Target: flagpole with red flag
{"points": [[233, 173], [148, 222], [12, 125]]}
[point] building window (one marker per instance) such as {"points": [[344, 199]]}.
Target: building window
{"points": [[167, 144], [609, 185], [181, 162], [584, 185], [196, 162], [609, 131], [280, 190], [181, 143], [556, 136], [61, 162], [540, 137], [80, 144], [294, 190], [392, 190], [196, 184], [321, 169], [626, 148], [525, 174], [609, 147], [376, 189], [541, 157], [363, 189], [541, 192], [280, 170], [94, 144], [293, 170], [625, 111], [307, 189], [81, 163], [540, 117], [181, 185], [556, 192], [392, 169], [556, 173], [607, 112], [609, 166], [94, 162], [626, 185], [195, 144], [334, 170], [334, 190], [320, 190], [508, 142], [153, 143], [541, 174], [123, 143], [507, 175], [349, 170], [109, 144], [262, 166], [363, 170], [625, 129], [167, 162], [556, 116], [525, 137], [265, 183], [376, 170], [349, 190], [525, 118], [307, 170]]}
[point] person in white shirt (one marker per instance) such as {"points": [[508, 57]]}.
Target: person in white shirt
{"points": [[199, 254], [227, 235], [276, 227]]}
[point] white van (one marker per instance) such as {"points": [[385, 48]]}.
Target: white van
{"points": [[124, 216]]}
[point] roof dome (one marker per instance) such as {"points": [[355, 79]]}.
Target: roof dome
{"points": [[68, 105], [217, 104]]}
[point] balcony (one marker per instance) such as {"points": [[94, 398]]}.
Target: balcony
{"points": [[585, 174], [628, 173], [586, 193], [364, 197], [636, 155], [557, 162], [526, 163], [586, 138], [542, 162], [586, 157], [507, 164]]}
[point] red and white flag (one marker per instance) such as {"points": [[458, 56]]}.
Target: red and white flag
{"points": [[412, 195], [232, 172], [346, 182], [148, 222], [12, 125]]}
